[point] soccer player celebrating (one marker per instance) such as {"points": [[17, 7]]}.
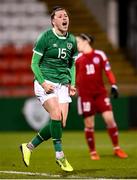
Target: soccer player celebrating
{"points": [[93, 96], [52, 65]]}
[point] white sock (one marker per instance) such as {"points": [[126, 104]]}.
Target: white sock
{"points": [[117, 147], [30, 146], [59, 154]]}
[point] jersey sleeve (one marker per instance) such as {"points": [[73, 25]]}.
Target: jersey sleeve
{"points": [[39, 46], [72, 70], [111, 77], [107, 68], [75, 49], [73, 74], [35, 67]]}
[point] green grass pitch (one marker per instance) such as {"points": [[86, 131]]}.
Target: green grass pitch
{"points": [[43, 164]]}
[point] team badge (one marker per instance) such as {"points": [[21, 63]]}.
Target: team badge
{"points": [[69, 45], [55, 45], [107, 66], [96, 60]]}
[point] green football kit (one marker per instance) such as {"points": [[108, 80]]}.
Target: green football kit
{"points": [[53, 57], [53, 60]]}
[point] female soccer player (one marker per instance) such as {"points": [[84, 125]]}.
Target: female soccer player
{"points": [[93, 97], [51, 64]]}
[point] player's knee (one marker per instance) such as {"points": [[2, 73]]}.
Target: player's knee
{"points": [[111, 123], [89, 123], [56, 115]]}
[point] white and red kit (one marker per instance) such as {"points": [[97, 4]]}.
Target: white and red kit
{"points": [[89, 82]]}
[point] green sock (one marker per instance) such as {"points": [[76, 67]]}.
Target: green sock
{"points": [[56, 134], [45, 132], [43, 135], [36, 141]]}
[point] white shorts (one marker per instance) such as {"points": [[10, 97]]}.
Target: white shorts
{"points": [[60, 91]]}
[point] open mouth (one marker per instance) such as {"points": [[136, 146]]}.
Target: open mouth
{"points": [[64, 23]]}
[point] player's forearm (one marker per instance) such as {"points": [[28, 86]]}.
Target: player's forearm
{"points": [[35, 67]]}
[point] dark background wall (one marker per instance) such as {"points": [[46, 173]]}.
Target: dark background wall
{"points": [[127, 23], [128, 29], [123, 22], [12, 118]]}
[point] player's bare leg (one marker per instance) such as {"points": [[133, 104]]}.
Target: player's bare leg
{"points": [[64, 111], [53, 107]]}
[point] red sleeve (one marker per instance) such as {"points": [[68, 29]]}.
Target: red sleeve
{"points": [[107, 68], [111, 77]]}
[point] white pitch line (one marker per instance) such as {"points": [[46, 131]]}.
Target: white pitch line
{"points": [[44, 174], [30, 173]]}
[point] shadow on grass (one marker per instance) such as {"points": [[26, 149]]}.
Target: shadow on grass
{"points": [[82, 173]]}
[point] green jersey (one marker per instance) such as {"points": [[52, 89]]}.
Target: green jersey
{"points": [[56, 55]]}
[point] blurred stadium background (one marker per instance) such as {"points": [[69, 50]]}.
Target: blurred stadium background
{"points": [[114, 25], [112, 22]]}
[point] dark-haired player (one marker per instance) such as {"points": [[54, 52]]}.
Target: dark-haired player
{"points": [[52, 63], [93, 97]]}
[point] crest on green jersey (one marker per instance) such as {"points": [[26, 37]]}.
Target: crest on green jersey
{"points": [[55, 45], [69, 45]]}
